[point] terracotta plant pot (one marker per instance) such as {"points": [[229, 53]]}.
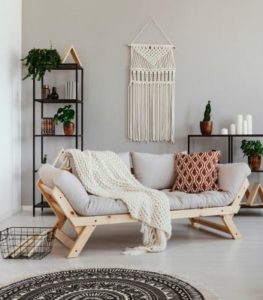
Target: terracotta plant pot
{"points": [[206, 127], [69, 128], [254, 162]]}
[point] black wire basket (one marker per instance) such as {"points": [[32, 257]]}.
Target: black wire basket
{"points": [[26, 242]]}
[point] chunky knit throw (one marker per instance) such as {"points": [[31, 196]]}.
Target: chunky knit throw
{"points": [[105, 174]]}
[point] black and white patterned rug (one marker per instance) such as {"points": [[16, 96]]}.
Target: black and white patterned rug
{"points": [[102, 284]]}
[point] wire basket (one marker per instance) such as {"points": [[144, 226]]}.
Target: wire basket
{"points": [[26, 242]]}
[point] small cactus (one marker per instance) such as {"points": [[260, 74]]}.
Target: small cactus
{"points": [[44, 160], [207, 113]]}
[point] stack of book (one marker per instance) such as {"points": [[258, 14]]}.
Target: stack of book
{"points": [[47, 126]]}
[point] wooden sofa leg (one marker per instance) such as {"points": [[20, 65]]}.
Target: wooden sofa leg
{"points": [[60, 222], [228, 221], [81, 240], [228, 226], [210, 224], [192, 221]]}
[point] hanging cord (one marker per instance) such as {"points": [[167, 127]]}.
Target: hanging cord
{"points": [[152, 20]]}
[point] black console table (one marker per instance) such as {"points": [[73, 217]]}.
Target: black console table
{"points": [[257, 188]]}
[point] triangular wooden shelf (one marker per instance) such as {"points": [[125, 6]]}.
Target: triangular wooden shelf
{"points": [[72, 51], [251, 195]]}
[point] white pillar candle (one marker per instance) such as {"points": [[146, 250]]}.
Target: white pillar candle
{"points": [[245, 127], [233, 129], [224, 131], [249, 124], [239, 124]]}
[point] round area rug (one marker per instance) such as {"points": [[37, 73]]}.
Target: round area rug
{"points": [[102, 284]]}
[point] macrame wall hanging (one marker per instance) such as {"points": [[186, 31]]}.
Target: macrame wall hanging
{"points": [[151, 91]]}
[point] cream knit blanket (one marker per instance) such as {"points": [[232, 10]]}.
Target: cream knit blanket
{"points": [[105, 174]]}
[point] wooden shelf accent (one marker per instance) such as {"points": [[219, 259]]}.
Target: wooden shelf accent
{"points": [[251, 195], [73, 53]]}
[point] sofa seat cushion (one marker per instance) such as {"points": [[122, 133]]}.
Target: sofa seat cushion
{"points": [[99, 206], [182, 200]]}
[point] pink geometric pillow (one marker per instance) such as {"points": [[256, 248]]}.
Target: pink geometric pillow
{"points": [[196, 172]]}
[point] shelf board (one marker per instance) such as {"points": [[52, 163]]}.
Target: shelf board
{"points": [[68, 67], [226, 135], [42, 204], [58, 101], [259, 171], [207, 136], [57, 135], [252, 206]]}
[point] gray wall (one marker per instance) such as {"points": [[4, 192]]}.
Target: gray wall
{"points": [[219, 57]]}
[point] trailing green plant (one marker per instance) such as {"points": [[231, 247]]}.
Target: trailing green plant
{"points": [[251, 148], [207, 113], [38, 61], [64, 115]]}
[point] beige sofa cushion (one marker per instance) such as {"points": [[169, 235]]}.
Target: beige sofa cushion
{"points": [[155, 171], [231, 177], [178, 200], [124, 156], [69, 185]]}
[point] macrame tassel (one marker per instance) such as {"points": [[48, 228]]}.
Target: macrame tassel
{"points": [[151, 93]]}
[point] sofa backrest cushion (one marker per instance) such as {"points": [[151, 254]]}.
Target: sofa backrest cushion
{"points": [[47, 173], [232, 176], [124, 156], [69, 185], [155, 171]]}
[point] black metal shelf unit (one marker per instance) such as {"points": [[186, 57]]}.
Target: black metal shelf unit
{"points": [[230, 141], [78, 136], [230, 138]]}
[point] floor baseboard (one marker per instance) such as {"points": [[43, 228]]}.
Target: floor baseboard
{"points": [[9, 214], [26, 207]]}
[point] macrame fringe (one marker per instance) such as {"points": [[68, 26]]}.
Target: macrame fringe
{"points": [[151, 93], [154, 240]]}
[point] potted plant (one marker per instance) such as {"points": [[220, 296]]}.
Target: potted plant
{"points": [[65, 115], [38, 61], [206, 126], [253, 150]]}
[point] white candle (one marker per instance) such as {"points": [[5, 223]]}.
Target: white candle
{"points": [[224, 131], [239, 124], [245, 127], [249, 124], [233, 129]]}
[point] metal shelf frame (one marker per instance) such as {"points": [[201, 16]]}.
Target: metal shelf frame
{"points": [[230, 141], [78, 136]]}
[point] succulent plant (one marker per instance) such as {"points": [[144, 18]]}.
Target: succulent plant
{"points": [[207, 113]]}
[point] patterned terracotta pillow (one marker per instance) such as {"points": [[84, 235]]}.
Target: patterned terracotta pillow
{"points": [[196, 172]]}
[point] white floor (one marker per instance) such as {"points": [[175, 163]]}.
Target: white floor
{"points": [[232, 269]]}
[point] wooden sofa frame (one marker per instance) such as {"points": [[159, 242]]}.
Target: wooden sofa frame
{"points": [[84, 226]]}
